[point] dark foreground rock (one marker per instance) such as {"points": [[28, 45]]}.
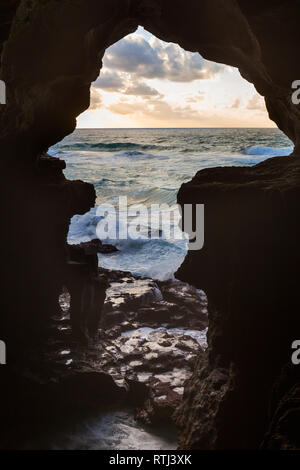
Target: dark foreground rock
{"points": [[96, 246], [283, 432], [142, 356], [249, 268]]}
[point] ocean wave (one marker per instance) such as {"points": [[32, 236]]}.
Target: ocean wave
{"points": [[267, 151], [112, 147], [141, 257], [153, 195], [53, 152], [132, 153], [135, 154], [136, 255], [83, 227]]}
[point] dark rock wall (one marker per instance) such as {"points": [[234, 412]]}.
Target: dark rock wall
{"points": [[249, 268], [38, 206], [51, 52], [7, 12]]}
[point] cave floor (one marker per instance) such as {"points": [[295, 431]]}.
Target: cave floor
{"points": [[121, 389]]}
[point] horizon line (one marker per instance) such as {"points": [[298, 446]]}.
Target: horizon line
{"points": [[127, 128]]}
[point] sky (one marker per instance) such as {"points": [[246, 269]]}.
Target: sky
{"points": [[146, 82]]}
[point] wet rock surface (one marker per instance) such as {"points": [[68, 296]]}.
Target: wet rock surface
{"points": [[150, 335]]}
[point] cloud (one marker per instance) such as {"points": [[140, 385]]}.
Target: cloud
{"points": [[109, 81], [156, 110], [256, 103], [128, 69], [114, 82], [125, 108], [134, 55], [157, 59], [236, 104], [142, 89], [96, 99], [196, 98]]}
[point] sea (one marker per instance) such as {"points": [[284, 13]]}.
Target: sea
{"points": [[148, 166]]}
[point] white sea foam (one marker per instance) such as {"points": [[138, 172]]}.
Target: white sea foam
{"points": [[268, 151], [136, 255]]}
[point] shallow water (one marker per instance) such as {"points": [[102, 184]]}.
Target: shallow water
{"points": [[112, 430]]}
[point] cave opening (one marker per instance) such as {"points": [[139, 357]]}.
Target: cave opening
{"points": [[148, 146], [157, 115], [165, 113], [47, 111]]}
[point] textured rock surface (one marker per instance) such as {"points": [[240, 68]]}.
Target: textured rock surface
{"points": [[135, 359], [249, 268], [37, 209], [283, 432], [51, 52], [145, 341]]}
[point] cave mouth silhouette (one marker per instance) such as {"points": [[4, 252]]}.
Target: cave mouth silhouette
{"points": [[65, 59]]}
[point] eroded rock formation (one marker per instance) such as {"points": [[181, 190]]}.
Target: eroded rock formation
{"points": [[249, 268], [141, 357], [51, 52]]}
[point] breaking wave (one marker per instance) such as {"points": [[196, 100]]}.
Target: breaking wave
{"points": [[130, 147], [268, 151]]}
